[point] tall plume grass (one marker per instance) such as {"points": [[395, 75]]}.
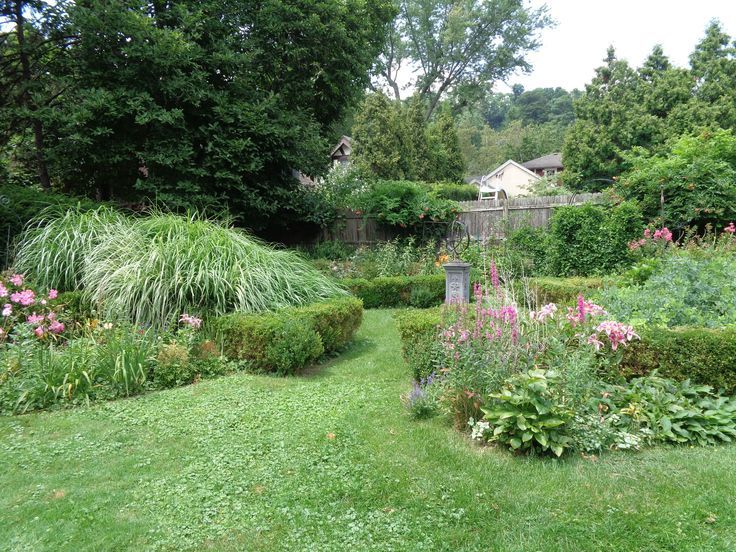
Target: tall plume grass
{"points": [[151, 269], [55, 246]]}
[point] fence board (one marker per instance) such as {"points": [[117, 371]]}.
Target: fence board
{"points": [[489, 219]]}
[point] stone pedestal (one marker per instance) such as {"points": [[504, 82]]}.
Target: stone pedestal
{"points": [[457, 282]]}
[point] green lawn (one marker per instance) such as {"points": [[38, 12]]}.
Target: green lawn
{"points": [[331, 461]]}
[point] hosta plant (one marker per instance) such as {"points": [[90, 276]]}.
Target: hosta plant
{"points": [[528, 415]]}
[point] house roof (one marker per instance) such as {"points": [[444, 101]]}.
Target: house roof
{"points": [[506, 164], [551, 161], [344, 141]]}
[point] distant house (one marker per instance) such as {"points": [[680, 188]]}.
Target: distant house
{"points": [[547, 165], [340, 154], [509, 180]]}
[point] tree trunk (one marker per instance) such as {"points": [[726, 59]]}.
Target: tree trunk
{"points": [[25, 97]]}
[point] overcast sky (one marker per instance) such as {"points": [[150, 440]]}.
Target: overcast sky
{"points": [[585, 28]]}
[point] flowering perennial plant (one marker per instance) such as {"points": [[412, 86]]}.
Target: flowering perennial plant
{"points": [[22, 307]]}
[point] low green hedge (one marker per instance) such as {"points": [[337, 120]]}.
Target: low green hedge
{"points": [[559, 290], [418, 331], [705, 356], [398, 291], [287, 340]]}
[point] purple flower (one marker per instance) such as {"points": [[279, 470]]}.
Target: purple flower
{"points": [[16, 279]]}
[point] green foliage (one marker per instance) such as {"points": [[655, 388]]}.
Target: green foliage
{"points": [[528, 416], [432, 36], [180, 454], [173, 366], [75, 306], [104, 364], [444, 150], [705, 356], [393, 141], [418, 332], [175, 102], [592, 239], [697, 176], [58, 242], [682, 290], [293, 345], [677, 412], [336, 321], [380, 143], [152, 269], [564, 291], [287, 340], [395, 291], [623, 109], [406, 205], [455, 192]]}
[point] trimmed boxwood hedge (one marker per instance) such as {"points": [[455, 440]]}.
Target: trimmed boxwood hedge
{"points": [[287, 340], [398, 291], [560, 290], [418, 333], [706, 356]]}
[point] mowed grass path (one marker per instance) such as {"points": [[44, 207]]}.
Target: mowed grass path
{"points": [[331, 461]]}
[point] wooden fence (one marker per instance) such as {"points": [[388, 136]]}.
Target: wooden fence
{"points": [[492, 219], [484, 219]]}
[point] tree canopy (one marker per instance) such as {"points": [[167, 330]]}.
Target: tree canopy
{"points": [[462, 46], [623, 107], [208, 102]]}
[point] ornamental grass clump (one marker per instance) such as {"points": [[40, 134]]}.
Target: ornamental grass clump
{"points": [[55, 245], [150, 270]]}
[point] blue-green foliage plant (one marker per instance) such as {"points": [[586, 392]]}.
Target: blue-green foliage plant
{"points": [[680, 290]]}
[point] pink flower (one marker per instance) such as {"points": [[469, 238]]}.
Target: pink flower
{"points": [[51, 316], [35, 318], [617, 333], [593, 340], [494, 276], [547, 311], [730, 229], [56, 327], [25, 297], [7, 309], [190, 321], [3, 290], [16, 279], [39, 331], [53, 294]]}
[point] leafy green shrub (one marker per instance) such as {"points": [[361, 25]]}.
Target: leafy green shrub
{"points": [[260, 340], [394, 291], [295, 344], [697, 176], [455, 192], [681, 290], [406, 205], [336, 321], [418, 332], [20, 204], [173, 366], [528, 415], [151, 269], [677, 412], [706, 356], [592, 239], [545, 290]]}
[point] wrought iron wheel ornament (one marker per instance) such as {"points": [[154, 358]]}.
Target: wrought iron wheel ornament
{"points": [[458, 238]]}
